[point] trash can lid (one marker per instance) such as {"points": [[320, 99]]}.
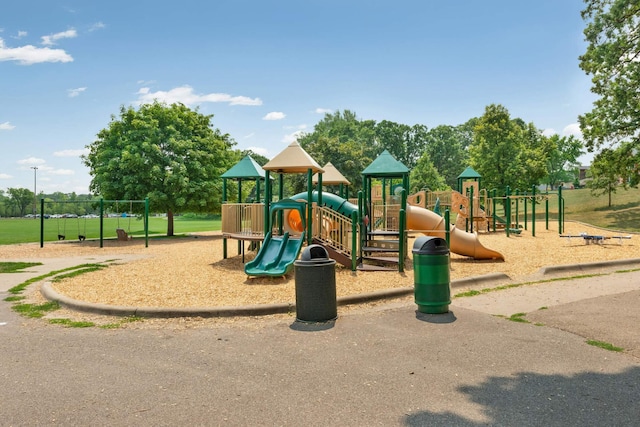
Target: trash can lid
{"points": [[429, 245], [314, 252]]}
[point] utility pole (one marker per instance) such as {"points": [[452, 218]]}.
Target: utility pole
{"points": [[35, 192]]}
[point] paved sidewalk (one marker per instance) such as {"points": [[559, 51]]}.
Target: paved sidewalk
{"points": [[388, 366]]}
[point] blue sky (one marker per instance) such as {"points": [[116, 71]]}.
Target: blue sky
{"points": [[268, 70]]}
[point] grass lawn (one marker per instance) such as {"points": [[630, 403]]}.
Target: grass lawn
{"points": [[21, 230], [580, 205]]}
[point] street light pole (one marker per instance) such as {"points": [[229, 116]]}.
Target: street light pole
{"points": [[35, 192]]}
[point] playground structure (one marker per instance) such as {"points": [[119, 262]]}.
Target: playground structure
{"points": [[368, 235], [480, 210], [121, 233]]}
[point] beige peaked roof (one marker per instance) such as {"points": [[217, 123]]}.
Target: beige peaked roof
{"points": [[293, 159], [331, 176]]}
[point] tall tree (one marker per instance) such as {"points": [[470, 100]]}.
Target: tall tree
{"points": [[563, 159], [508, 151], [447, 149], [606, 174], [170, 154], [21, 198], [425, 176], [495, 147], [612, 59], [343, 140], [405, 143]]}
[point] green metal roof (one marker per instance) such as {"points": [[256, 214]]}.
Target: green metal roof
{"points": [[386, 165], [247, 168], [469, 172]]}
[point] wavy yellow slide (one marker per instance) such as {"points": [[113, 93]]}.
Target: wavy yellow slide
{"points": [[461, 242]]}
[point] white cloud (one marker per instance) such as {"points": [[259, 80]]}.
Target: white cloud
{"points": [[5, 176], [274, 115], [52, 38], [572, 129], [29, 55], [61, 172], [31, 161], [298, 127], [289, 138], [97, 26], [72, 93], [6, 126], [251, 135], [186, 96], [20, 35], [71, 153], [259, 150], [323, 111], [549, 132]]}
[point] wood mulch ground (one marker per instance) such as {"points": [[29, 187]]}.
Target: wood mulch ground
{"points": [[191, 272]]}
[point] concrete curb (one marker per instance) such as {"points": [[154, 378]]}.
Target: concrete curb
{"points": [[250, 310], [265, 309], [589, 266]]}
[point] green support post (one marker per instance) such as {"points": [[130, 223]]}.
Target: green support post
{"points": [[533, 210], [471, 208], [560, 207], [517, 208], [507, 209], [239, 202], [354, 241], [447, 227], [493, 212], [101, 222], [546, 211], [402, 244], [309, 205], [224, 200], [146, 222], [280, 197], [525, 211], [42, 222], [267, 201]]}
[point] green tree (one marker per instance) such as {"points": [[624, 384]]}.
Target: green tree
{"points": [[533, 157], [606, 173], [502, 148], [343, 140], [170, 154], [612, 59], [563, 159], [447, 148], [425, 176], [405, 143], [21, 199]]}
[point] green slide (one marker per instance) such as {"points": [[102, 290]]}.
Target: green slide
{"points": [[276, 256]]}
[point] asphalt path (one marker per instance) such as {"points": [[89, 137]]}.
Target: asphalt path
{"points": [[384, 366]]}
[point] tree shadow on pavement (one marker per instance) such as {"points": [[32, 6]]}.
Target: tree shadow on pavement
{"points": [[533, 399]]}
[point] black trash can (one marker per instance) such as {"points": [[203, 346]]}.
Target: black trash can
{"points": [[431, 275], [315, 275]]}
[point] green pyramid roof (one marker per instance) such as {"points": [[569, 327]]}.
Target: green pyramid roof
{"points": [[385, 165], [247, 168], [469, 173]]}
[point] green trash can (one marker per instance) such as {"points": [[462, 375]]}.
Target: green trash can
{"points": [[431, 275], [315, 277]]}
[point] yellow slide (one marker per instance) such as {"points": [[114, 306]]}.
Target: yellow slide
{"points": [[462, 243]]}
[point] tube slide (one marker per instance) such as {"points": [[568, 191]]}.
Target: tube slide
{"points": [[462, 243]]}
